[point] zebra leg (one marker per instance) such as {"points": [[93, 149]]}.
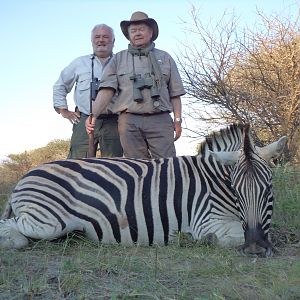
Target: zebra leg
{"points": [[10, 236], [224, 232], [44, 229], [231, 233], [14, 232]]}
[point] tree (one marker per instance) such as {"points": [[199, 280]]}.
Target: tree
{"points": [[12, 169], [248, 76]]}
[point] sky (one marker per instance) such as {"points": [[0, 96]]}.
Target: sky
{"points": [[40, 37]]}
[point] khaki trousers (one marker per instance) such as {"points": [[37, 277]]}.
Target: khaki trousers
{"points": [[147, 136]]}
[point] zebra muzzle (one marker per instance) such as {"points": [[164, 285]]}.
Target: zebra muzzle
{"points": [[256, 242]]}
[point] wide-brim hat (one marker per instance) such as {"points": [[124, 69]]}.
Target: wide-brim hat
{"points": [[140, 17]]}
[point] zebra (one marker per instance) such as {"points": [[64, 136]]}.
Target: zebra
{"points": [[224, 191]]}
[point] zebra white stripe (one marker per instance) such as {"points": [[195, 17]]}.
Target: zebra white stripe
{"points": [[122, 200]]}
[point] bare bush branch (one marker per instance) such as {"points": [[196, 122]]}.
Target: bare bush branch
{"points": [[244, 75]]}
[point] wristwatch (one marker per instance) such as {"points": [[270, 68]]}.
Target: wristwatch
{"points": [[178, 120]]}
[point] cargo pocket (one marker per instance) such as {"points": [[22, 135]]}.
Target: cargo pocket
{"points": [[83, 83]]}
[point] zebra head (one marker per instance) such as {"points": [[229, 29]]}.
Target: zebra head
{"points": [[251, 182]]}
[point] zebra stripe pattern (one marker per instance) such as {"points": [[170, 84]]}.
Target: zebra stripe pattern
{"points": [[129, 201]]}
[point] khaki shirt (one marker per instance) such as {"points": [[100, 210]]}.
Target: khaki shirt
{"points": [[117, 76], [78, 73]]}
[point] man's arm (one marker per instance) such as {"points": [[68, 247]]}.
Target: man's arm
{"points": [[176, 102], [103, 98], [72, 116], [61, 88]]}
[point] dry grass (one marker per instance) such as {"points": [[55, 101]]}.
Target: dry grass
{"points": [[75, 268]]}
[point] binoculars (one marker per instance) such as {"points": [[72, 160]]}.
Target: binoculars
{"points": [[140, 83], [94, 88]]}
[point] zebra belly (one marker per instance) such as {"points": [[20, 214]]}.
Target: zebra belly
{"points": [[112, 228]]}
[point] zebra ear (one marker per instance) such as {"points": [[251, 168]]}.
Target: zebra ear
{"points": [[226, 158], [272, 150]]}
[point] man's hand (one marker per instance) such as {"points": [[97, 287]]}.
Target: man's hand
{"points": [[90, 125], [72, 116], [178, 130]]}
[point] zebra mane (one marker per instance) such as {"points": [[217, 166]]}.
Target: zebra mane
{"points": [[229, 138], [248, 146]]}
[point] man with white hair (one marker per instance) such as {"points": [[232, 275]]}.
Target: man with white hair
{"points": [[84, 72], [148, 88]]}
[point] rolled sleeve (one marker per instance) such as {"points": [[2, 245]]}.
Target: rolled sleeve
{"points": [[176, 87], [109, 76]]}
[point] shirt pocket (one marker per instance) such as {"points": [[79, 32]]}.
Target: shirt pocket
{"points": [[123, 76], [84, 81]]}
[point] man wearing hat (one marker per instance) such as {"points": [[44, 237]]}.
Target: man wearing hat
{"points": [[148, 87]]}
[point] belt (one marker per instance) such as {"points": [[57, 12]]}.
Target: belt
{"points": [[107, 116], [103, 116], [146, 114]]}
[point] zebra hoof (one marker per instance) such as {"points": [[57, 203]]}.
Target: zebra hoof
{"points": [[269, 252], [241, 251]]}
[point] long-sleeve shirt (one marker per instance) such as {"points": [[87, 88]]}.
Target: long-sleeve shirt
{"points": [[78, 73]]}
